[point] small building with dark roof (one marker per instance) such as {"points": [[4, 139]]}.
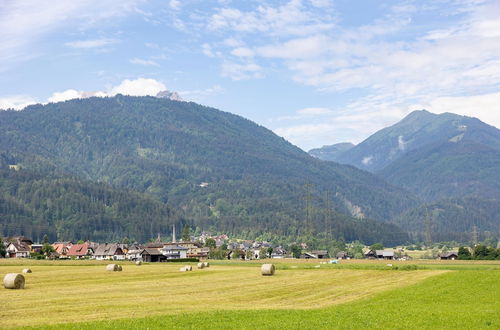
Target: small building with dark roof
{"points": [[449, 256], [152, 255]]}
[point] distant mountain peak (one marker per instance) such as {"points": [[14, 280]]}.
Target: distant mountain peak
{"points": [[169, 95]]}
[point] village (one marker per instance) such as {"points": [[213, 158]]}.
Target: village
{"points": [[200, 248]]}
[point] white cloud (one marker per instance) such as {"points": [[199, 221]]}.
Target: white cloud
{"points": [[242, 52], [322, 3], [16, 102], [401, 143], [198, 95], [92, 43], [140, 61], [70, 94], [390, 64], [484, 106], [175, 4], [367, 160], [25, 23], [66, 95], [292, 18], [232, 42], [237, 71], [309, 47], [207, 50], [315, 111], [138, 87]]}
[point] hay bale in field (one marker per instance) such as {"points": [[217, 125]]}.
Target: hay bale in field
{"points": [[138, 262], [267, 269], [201, 265], [112, 268], [188, 268], [27, 270], [206, 264], [14, 281]]}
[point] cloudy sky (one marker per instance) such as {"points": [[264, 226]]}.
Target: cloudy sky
{"points": [[316, 72]]}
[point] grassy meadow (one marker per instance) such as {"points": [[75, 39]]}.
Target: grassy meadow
{"points": [[353, 294]]}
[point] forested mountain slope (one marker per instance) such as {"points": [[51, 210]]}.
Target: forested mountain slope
{"points": [[221, 170], [71, 209], [453, 219], [439, 158]]}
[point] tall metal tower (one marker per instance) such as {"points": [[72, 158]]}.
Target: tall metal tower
{"points": [[475, 235], [308, 208], [428, 228]]}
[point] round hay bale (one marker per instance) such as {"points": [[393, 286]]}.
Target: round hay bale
{"points": [[14, 281], [206, 264], [188, 268], [112, 268], [201, 265], [138, 262], [27, 270], [120, 268], [267, 269]]}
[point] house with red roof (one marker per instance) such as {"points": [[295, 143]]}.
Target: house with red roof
{"points": [[80, 251], [62, 248]]}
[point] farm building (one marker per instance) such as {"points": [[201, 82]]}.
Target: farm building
{"points": [[320, 254], [278, 253], [449, 256], [152, 255], [385, 254], [343, 255], [380, 254]]}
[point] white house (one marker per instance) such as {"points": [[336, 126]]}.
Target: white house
{"points": [[18, 250], [174, 251], [109, 252]]}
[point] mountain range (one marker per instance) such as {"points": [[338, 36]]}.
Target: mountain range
{"points": [[108, 167], [213, 170], [450, 162]]}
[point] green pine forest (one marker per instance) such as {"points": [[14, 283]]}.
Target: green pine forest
{"points": [[106, 168]]}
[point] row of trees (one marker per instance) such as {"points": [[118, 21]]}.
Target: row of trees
{"points": [[479, 252]]}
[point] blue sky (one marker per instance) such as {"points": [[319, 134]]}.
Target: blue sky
{"points": [[316, 72]]}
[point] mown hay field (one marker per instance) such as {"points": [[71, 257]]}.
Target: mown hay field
{"points": [[159, 296]]}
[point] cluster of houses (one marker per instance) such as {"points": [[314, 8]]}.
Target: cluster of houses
{"points": [[23, 247]]}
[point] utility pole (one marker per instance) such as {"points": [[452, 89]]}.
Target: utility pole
{"points": [[475, 235], [329, 216], [428, 228], [308, 207]]}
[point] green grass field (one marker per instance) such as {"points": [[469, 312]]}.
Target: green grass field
{"points": [[352, 295]]}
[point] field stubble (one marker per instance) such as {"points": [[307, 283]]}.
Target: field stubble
{"points": [[84, 291]]}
